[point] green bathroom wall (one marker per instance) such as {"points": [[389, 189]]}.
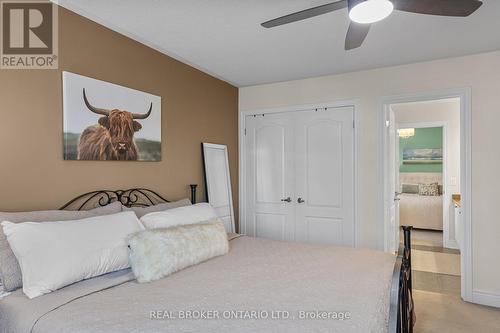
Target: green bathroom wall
{"points": [[431, 137]]}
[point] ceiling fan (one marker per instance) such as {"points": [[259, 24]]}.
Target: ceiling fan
{"points": [[363, 13]]}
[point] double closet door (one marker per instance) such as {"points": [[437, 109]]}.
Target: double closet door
{"points": [[300, 176]]}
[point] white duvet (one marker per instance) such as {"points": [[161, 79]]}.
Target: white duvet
{"points": [[270, 277]]}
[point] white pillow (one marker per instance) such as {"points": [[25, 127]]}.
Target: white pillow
{"points": [[3, 293], [179, 216], [55, 254], [157, 253]]}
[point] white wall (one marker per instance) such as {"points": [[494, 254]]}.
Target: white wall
{"points": [[479, 72], [448, 111]]}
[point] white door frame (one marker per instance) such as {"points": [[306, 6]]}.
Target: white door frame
{"points": [[242, 153], [465, 171], [447, 242]]}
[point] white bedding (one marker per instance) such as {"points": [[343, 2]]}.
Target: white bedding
{"points": [[179, 216], [55, 254], [256, 275], [3, 293], [422, 212]]}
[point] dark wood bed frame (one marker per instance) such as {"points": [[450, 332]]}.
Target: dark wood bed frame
{"points": [[401, 311]]}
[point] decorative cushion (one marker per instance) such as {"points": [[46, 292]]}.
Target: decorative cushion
{"points": [[141, 211], [179, 216], [428, 189], [55, 254], [10, 272], [155, 254], [410, 188]]}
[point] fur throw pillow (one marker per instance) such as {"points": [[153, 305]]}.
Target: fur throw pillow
{"points": [[428, 189], [157, 253]]}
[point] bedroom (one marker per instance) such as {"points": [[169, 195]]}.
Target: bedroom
{"points": [[223, 67]]}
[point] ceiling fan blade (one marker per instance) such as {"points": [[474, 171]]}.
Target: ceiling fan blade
{"points": [[305, 14], [460, 8], [356, 34]]}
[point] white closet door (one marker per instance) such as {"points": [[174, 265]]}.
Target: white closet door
{"points": [[307, 156], [270, 177], [324, 183]]}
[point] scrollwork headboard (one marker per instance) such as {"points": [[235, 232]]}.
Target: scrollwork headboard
{"points": [[134, 197]]}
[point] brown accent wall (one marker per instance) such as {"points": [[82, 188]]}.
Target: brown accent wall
{"points": [[195, 108]]}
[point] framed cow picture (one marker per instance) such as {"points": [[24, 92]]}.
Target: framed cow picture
{"points": [[107, 122]]}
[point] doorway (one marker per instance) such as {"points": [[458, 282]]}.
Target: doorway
{"points": [[421, 180]]}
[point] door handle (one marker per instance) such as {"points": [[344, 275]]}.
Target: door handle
{"points": [[287, 199], [396, 196], [300, 200]]}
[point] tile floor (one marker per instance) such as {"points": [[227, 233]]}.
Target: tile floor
{"points": [[436, 262], [436, 290], [435, 268], [443, 313]]}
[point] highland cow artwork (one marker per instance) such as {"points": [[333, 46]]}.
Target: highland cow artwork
{"points": [[108, 122]]}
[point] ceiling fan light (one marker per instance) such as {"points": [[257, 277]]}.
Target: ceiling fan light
{"points": [[370, 11]]}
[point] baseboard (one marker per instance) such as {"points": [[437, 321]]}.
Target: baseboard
{"points": [[451, 244], [484, 298]]}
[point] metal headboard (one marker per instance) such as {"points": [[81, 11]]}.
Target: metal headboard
{"points": [[134, 197]]}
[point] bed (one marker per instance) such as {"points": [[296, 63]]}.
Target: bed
{"points": [[260, 286], [420, 211]]}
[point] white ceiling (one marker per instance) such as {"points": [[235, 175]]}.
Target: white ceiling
{"points": [[224, 37]]}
